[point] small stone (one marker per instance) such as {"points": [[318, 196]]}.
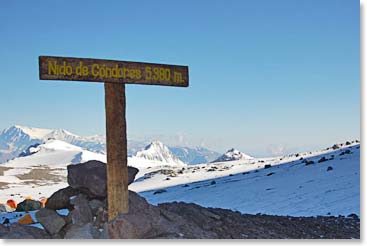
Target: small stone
{"points": [[81, 232], [50, 220], [81, 214], [28, 205]]}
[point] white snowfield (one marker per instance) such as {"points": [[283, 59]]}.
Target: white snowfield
{"points": [[288, 187]]}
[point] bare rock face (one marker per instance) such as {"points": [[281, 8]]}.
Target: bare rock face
{"points": [[50, 220], [61, 198], [146, 221], [91, 178]]}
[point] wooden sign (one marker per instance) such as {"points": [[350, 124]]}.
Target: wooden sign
{"points": [[83, 69], [115, 74]]}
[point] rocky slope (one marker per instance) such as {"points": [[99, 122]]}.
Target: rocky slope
{"points": [[87, 217]]}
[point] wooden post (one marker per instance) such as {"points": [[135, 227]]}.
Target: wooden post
{"points": [[120, 73], [117, 173]]}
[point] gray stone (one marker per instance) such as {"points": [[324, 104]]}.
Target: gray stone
{"points": [[18, 231], [91, 178], [28, 205], [50, 220], [86, 231], [145, 221], [61, 198], [5, 208], [96, 205], [81, 214]]}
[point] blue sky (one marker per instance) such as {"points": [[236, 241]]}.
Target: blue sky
{"points": [[265, 76]]}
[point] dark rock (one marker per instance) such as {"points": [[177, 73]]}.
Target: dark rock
{"points": [[28, 205], [347, 143], [267, 166], [269, 174], [145, 221], [5, 208], [353, 215], [329, 168], [213, 182], [159, 191], [86, 231], [91, 178], [309, 162], [81, 214], [18, 231], [322, 159], [336, 146], [61, 198], [96, 205], [50, 220]]}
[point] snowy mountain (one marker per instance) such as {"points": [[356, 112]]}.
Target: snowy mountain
{"points": [[233, 155], [53, 153], [322, 182], [194, 156], [16, 139], [157, 151]]}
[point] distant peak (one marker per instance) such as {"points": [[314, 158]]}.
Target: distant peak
{"points": [[233, 155], [155, 144]]}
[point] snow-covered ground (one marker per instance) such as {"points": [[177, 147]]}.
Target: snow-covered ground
{"points": [[290, 186]]}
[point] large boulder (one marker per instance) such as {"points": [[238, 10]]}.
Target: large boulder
{"points": [[91, 178], [145, 221], [28, 205], [50, 220], [61, 198]]}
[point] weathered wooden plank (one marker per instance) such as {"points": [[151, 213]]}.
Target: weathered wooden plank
{"points": [[117, 172], [110, 71]]}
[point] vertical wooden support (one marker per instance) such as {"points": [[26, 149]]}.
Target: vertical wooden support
{"points": [[117, 173]]}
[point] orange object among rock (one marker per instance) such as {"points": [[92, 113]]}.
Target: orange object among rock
{"points": [[26, 220], [11, 203], [43, 201], [28, 198]]}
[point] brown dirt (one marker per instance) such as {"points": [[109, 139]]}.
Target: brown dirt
{"points": [[3, 185], [41, 174], [3, 169]]}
